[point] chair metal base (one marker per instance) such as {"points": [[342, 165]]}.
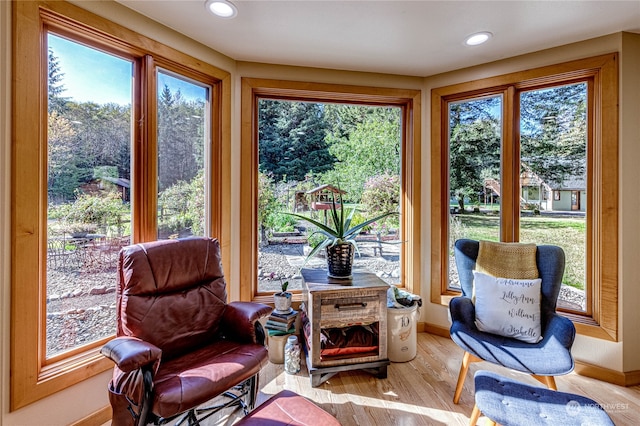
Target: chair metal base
{"points": [[243, 395]]}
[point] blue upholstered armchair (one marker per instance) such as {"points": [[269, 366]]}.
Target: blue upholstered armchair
{"points": [[550, 357]]}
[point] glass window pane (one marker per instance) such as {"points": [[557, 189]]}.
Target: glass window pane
{"points": [[553, 179], [304, 146], [474, 173], [182, 149], [88, 215]]}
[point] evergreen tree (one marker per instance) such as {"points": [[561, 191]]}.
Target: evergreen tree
{"points": [[180, 138], [554, 132], [291, 140], [55, 86], [271, 146], [474, 147]]}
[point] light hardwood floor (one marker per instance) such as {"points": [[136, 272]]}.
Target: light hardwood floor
{"points": [[420, 392]]}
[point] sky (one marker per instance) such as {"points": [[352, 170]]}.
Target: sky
{"points": [[94, 76]]}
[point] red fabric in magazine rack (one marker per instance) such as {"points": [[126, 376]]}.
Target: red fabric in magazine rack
{"points": [[355, 339]]}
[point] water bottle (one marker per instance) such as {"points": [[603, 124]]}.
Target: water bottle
{"points": [[292, 355]]}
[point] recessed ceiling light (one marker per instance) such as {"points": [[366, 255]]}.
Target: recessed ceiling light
{"points": [[221, 8], [477, 38]]}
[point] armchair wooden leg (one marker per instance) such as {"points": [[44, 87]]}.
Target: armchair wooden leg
{"points": [[475, 415], [548, 381], [466, 360]]}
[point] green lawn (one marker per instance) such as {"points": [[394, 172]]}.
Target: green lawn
{"points": [[566, 232]]}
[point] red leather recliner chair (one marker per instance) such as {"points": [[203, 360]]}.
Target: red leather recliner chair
{"points": [[179, 343]]}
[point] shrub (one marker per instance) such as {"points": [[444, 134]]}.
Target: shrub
{"points": [[173, 205], [359, 218], [181, 206], [382, 195], [282, 222], [315, 238], [195, 207], [103, 210], [267, 203]]}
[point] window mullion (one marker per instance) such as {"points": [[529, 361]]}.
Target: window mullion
{"points": [[145, 161], [510, 154]]}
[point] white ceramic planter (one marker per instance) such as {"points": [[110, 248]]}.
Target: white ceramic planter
{"points": [[282, 301]]}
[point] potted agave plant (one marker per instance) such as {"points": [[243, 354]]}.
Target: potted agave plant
{"points": [[340, 238]]}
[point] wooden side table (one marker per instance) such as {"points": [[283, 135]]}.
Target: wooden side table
{"points": [[334, 303]]}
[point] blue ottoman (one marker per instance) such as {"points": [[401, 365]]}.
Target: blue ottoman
{"points": [[511, 403]]}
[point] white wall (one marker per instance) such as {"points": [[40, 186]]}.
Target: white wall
{"points": [[630, 199]]}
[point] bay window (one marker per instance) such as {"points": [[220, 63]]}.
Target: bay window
{"points": [[532, 157], [399, 142]]}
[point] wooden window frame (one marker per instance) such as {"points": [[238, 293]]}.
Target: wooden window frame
{"points": [[601, 73], [33, 376], [409, 100]]}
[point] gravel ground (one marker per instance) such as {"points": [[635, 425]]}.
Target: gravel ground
{"points": [[81, 305], [80, 308], [284, 261]]}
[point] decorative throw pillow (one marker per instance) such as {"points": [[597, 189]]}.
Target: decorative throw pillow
{"points": [[508, 307], [508, 260]]}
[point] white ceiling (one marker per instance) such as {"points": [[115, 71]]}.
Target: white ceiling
{"points": [[418, 38]]}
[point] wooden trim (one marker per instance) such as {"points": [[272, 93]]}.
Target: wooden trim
{"points": [[96, 418], [605, 255], [439, 152], [436, 329], [620, 378], [632, 378], [253, 89], [587, 326], [591, 286], [221, 218], [510, 173], [145, 156], [248, 191], [601, 73], [25, 185], [412, 221], [326, 92], [32, 375]]}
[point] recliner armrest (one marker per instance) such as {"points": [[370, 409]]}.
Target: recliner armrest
{"points": [[131, 353], [239, 321], [462, 309]]}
